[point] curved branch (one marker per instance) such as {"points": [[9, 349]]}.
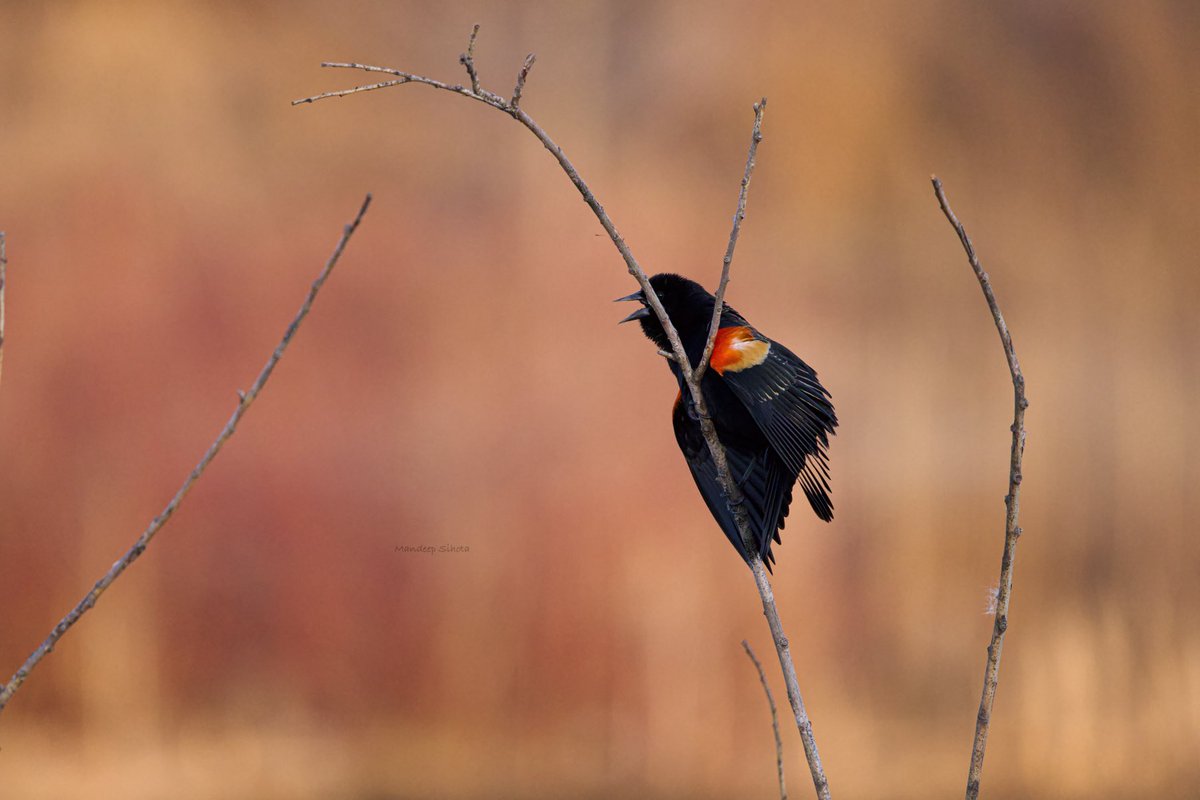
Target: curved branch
{"points": [[1012, 503], [516, 112], [244, 401], [677, 353]]}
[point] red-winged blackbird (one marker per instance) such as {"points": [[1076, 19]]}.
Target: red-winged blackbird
{"points": [[770, 412]]}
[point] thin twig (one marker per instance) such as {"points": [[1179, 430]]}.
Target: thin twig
{"points": [[343, 92], [732, 492], [3, 278], [762, 676], [522, 75], [738, 215], [245, 399], [467, 59], [405, 77], [1012, 532]]}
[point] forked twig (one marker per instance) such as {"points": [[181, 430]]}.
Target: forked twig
{"points": [[244, 401], [732, 491], [519, 114], [1012, 532], [762, 676]]}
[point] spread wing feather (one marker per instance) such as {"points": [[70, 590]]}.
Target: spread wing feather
{"points": [[794, 412]]}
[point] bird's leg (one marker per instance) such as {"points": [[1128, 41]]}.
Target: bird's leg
{"points": [[746, 475], [741, 501]]}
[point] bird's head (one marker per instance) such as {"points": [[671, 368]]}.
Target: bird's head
{"points": [[687, 303]]}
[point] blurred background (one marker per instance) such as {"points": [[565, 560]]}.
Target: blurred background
{"points": [[462, 382]]}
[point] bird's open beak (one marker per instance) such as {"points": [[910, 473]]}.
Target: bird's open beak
{"points": [[641, 313]]}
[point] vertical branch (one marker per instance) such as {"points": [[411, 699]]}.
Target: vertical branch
{"points": [[733, 493], [762, 676], [1012, 532], [738, 215], [244, 401]]}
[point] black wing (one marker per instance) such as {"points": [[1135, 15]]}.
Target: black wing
{"points": [[794, 412], [763, 478]]}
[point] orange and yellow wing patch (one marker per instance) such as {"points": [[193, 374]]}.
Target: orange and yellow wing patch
{"points": [[736, 349]]}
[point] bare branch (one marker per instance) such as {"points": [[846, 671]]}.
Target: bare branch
{"points": [[803, 724], [370, 87], [519, 114], [738, 215], [732, 492], [774, 718], [467, 59], [3, 278], [522, 75], [244, 401], [405, 77], [1012, 532]]}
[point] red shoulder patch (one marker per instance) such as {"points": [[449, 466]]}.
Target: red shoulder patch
{"points": [[737, 348]]}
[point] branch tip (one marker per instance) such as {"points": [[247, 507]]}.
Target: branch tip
{"points": [[522, 75], [467, 59], [762, 676]]}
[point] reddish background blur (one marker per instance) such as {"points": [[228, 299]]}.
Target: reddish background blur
{"points": [[462, 381]]}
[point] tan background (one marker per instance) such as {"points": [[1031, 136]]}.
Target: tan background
{"points": [[463, 382]]}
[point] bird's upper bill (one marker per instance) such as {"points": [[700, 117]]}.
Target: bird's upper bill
{"points": [[641, 313]]}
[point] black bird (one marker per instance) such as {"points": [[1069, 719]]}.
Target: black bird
{"points": [[770, 412]]}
